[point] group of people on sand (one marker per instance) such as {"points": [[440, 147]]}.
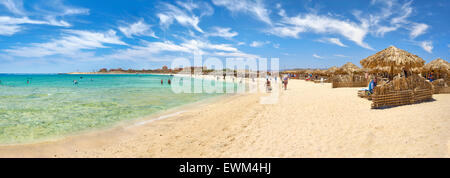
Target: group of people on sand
{"points": [[284, 81]]}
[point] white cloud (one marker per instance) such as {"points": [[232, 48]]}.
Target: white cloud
{"points": [[154, 50], [185, 17], [10, 25], [312, 22], [259, 43], [205, 8], [240, 43], [235, 54], [9, 30], [14, 6], [222, 32], [392, 16], [71, 42], [253, 7], [340, 55], [335, 41], [380, 31], [276, 45], [197, 45], [317, 56], [427, 46], [139, 28], [418, 29], [292, 26]]}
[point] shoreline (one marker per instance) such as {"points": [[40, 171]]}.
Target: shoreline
{"points": [[104, 136], [111, 73], [159, 115]]}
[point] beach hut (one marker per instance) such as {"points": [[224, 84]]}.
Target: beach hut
{"points": [[393, 61], [319, 76], [319, 72], [398, 90], [349, 68], [441, 70], [439, 67], [348, 76], [331, 71]]}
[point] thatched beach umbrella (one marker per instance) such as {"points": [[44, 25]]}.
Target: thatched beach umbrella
{"points": [[331, 71], [392, 60], [349, 68], [318, 72], [438, 66], [301, 71]]}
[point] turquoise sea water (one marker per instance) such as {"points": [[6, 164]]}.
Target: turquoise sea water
{"points": [[52, 105]]}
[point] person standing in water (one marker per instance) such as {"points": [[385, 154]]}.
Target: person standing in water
{"points": [[162, 82], [169, 82]]}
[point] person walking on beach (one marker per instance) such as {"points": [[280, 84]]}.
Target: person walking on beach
{"points": [[285, 82], [268, 86]]}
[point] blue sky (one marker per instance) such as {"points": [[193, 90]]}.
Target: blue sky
{"points": [[41, 36]]}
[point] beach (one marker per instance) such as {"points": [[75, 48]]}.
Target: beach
{"points": [[309, 120]]}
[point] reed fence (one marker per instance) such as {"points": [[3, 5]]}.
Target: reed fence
{"points": [[348, 84], [441, 90], [398, 98]]}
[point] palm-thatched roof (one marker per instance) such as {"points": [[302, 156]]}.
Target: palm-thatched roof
{"points": [[348, 68], [379, 69], [296, 71], [392, 59], [318, 72], [438, 65], [309, 71], [331, 70]]}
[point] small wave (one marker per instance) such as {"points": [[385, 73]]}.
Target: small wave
{"points": [[159, 118]]}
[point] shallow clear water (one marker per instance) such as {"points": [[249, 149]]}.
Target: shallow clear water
{"points": [[51, 105]]}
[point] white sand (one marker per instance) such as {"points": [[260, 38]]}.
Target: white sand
{"points": [[310, 120]]}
